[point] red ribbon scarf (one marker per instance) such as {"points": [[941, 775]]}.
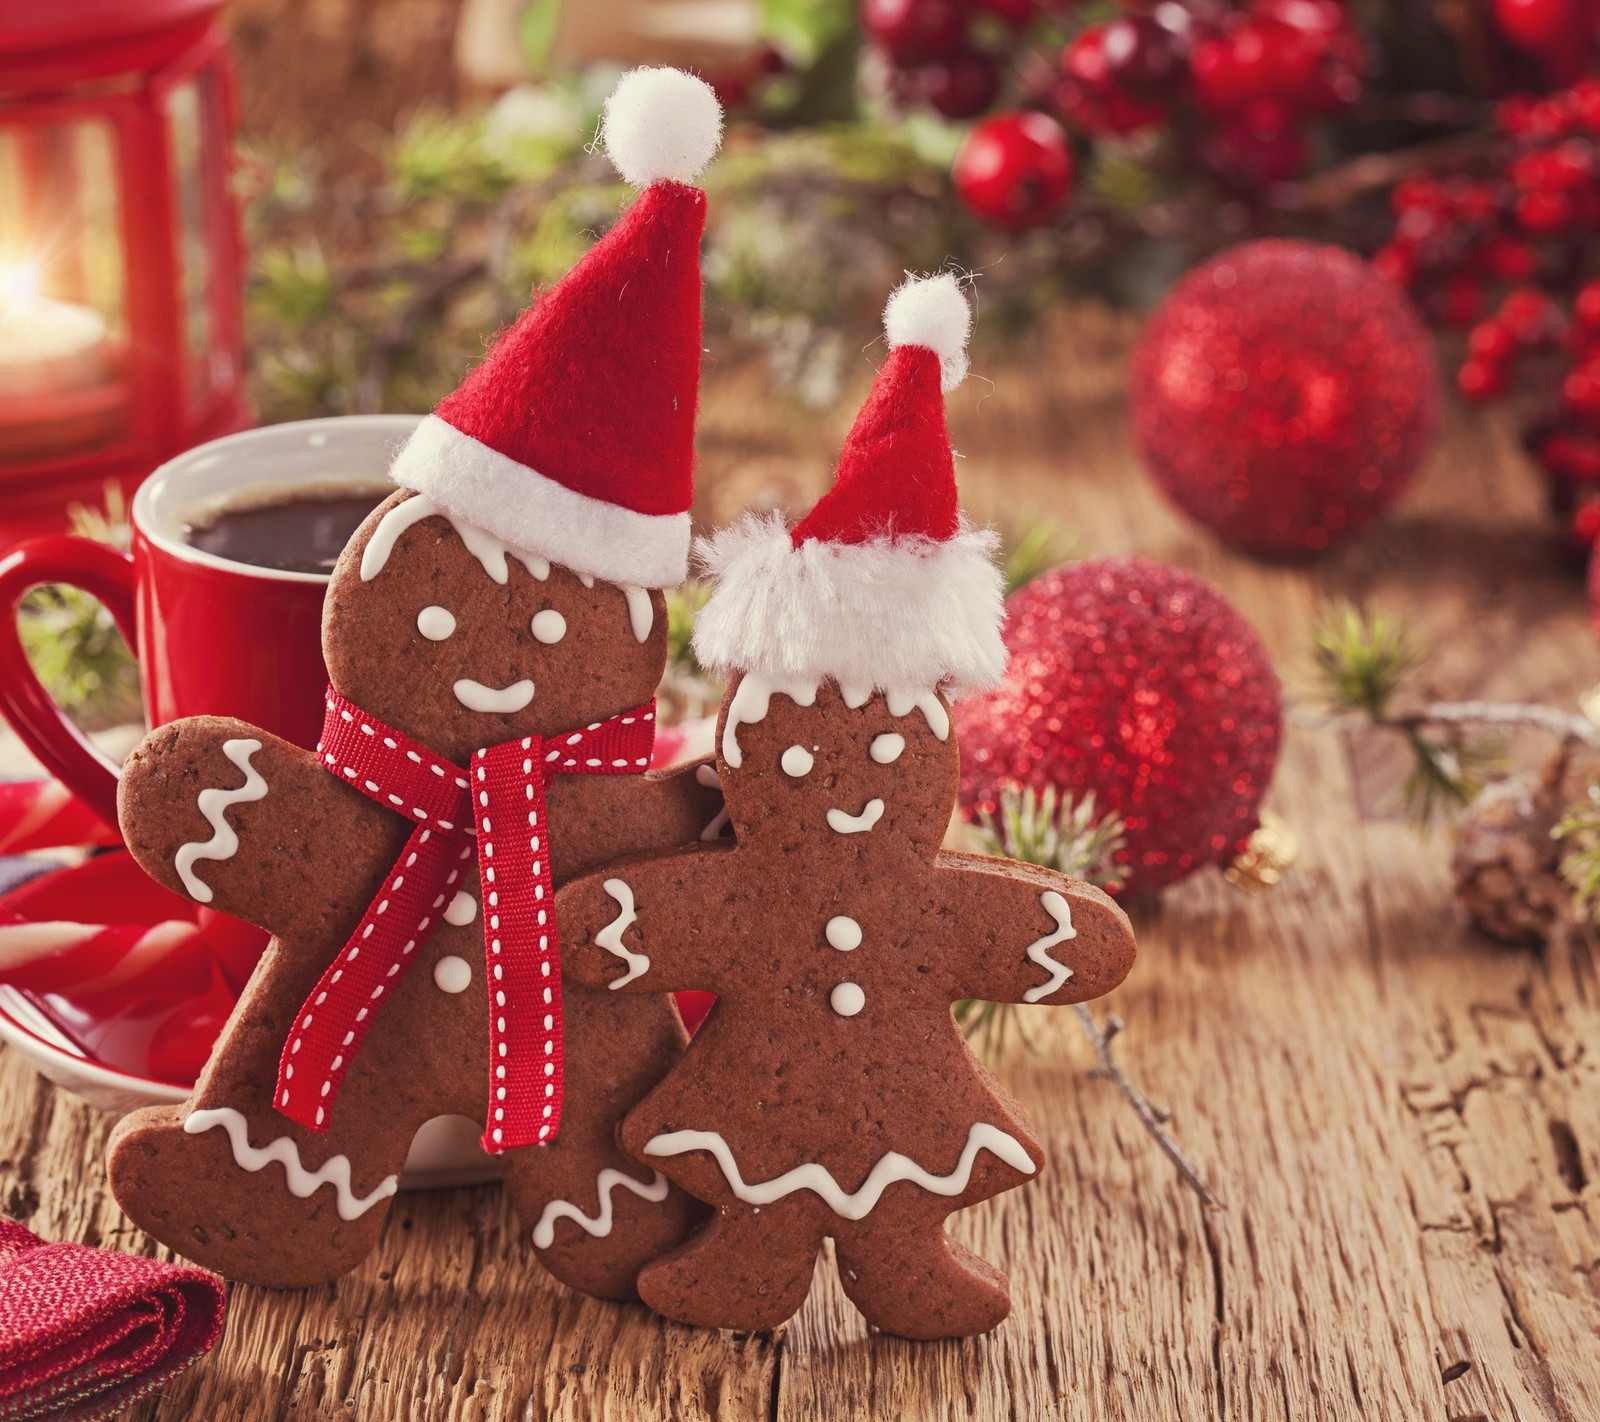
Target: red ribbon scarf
{"points": [[501, 798]]}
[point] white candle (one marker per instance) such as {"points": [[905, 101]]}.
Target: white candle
{"points": [[48, 347]]}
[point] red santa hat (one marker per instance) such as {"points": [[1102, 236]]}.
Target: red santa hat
{"points": [[574, 440], [883, 584]]}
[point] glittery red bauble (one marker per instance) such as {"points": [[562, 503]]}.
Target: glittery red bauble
{"points": [[1143, 684], [1284, 395]]}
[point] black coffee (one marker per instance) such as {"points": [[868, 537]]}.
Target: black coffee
{"points": [[303, 531]]}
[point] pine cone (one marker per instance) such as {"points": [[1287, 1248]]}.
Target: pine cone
{"points": [[1506, 865]]}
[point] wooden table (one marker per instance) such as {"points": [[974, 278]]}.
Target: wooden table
{"points": [[1403, 1120]]}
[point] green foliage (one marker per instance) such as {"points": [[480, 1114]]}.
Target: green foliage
{"points": [[439, 156], [1579, 833], [1363, 660], [1446, 774], [1365, 664], [73, 643], [292, 284], [1040, 548]]}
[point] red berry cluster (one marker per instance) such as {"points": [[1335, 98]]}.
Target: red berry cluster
{"points": [[947, 54], [1508, 251], [1248, 78]]}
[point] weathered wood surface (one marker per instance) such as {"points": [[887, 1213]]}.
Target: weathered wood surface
{"points": [[1404, 1120]]}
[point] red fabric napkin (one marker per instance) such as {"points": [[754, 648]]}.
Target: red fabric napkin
{"points": [[85, 1332]]}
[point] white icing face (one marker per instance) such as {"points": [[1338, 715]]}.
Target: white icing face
{"points": [[797, 762], [843, 933], [847, 999], [842, 823], [436, 623], [549, 626], [887, 748], [475, 696], [452, 974]]}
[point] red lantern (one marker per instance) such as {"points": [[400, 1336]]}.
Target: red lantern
{"points": [[120, 319]]}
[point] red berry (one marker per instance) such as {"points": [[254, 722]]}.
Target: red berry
{"points": [[1586, 524], [1581, 390], [1142, 56], [1574, 457], [1586, 307], [1231, 69], [1509, 259], [1491, 342], [1478, 380], [915, 29], [1396, 263], [962, 87], [1460, 300], [1529, 315], [1540, 27], [1583, 99], [1543, 212], [1262, 146], [1016, 13], [1091, 97], [1015, 169]]}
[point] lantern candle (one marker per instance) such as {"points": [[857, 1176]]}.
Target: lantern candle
{"points": [[47, 347]]}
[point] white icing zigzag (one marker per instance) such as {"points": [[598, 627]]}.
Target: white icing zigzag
{"points": [[598, 1225], [610, 937], [224, 843], [1058, 909], [335, 1171], [841, 823], [890, 1168]]}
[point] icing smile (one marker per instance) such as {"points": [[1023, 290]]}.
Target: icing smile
{"points": [[475, 696], [856, 824]]}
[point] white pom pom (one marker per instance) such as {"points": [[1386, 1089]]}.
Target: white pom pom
{"points": [[661, 123], [932, 312]]}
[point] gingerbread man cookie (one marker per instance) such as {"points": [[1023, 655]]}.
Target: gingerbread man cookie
{"points": [[830, 1092], [494, 636]]}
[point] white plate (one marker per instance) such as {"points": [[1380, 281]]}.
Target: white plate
{"points": [[444, 1152]]}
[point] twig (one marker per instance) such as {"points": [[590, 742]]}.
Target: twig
{"points": [[1150, 1116], [1570, 727]]}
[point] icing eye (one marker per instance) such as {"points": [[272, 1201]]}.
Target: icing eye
{"points": [[549, 625], [885, 749], [436, 623], [796, 761]]}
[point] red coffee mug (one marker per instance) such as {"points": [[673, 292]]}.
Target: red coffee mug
{"points": [[212, 636]]}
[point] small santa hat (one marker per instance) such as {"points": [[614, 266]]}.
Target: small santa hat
{"points": [[574, 440], [883, 585]]}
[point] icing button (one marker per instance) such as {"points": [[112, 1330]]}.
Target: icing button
{"points": [[843, 933], [462, 909], [847, 999], [453, 974]]}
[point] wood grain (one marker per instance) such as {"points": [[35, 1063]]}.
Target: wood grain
{"points": [[1403, 1119]]}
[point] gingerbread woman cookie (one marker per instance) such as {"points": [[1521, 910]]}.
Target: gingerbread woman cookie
{"points": [[830, 1093], [494, 636]]}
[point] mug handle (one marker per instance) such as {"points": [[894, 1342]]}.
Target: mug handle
{"points": [[106, 574]]}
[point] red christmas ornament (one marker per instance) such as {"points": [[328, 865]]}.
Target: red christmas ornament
{"points": [[1284, 395], [1143, 684]]}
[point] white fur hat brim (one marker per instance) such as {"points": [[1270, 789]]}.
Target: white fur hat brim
{"points": [[894, 613]]}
